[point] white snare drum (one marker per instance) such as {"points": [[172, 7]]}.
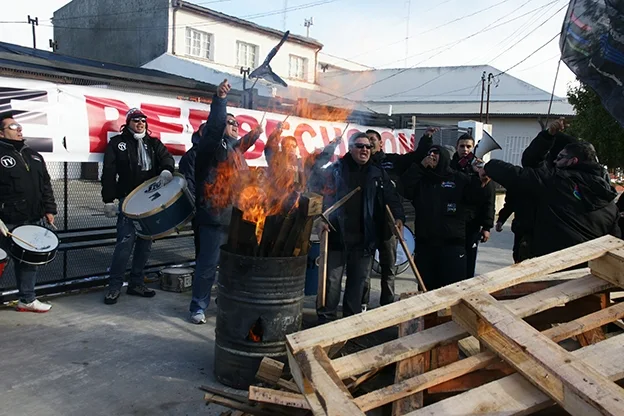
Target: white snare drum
{"points": [[4, 259], [158, 210], [33, 244], [401, 263]]}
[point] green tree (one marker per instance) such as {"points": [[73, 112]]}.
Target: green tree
{"points": [[594, 124]]}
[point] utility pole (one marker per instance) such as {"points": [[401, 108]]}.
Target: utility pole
{"points": [[247, 94], [307, 23], [34, 22], [284, 16], [407, 22], [487, 107], [53, 45], [482, 93]]}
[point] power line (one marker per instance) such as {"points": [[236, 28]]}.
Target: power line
{"points": [[429, 30], [527, 57]]}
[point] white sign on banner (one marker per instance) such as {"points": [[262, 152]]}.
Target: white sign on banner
{"points": [[72, 123]]}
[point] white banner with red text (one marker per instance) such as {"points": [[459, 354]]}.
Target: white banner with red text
{"points": [[73, 123]]}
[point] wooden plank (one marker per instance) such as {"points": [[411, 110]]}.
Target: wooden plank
{"points": [[412, 345], [281, 398], [577, 387], [305, 386], [270, 371], [395, 313], [409, 368], [462, 367], [469, 346], [322, 275], [317, 377], [610, 267], [515, 395]]}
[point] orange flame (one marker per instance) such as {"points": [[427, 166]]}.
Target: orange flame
{"points": [[256, 332]]}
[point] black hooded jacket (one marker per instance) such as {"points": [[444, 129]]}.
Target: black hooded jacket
{"points": [[122, 174], [361, 222], [439, 197], [480, 213], [572, 205]]}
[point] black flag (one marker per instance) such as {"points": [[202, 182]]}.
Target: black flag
{"points": [[592, 46], [264, 71]]}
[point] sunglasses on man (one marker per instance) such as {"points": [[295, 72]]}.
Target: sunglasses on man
{"points": [[139, 119], [233, 123], [13, 126], [434, 152], [363, 146]]}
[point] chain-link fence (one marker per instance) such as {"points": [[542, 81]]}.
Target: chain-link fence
{"points": [[87, 237]]}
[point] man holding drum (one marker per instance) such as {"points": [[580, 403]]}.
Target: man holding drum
{"points": [[131, 158], [25, 198]]}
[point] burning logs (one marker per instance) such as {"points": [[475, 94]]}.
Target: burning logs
{"points": [[285, 234]]}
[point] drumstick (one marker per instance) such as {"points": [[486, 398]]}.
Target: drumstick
{"points": [[263, 115], [345, 129], [22, 240], [399, 235]]}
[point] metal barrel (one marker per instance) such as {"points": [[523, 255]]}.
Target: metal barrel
{"points": [[260, 301]]}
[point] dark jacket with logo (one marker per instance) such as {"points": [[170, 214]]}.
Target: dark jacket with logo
{"points": [[217, 151], [25, 188], [362, 222], [480, 213], [439, 197], [122, 174], [573, 204]]}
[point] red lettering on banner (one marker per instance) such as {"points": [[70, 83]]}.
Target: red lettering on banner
{"points": [[255, 151], [299, 131], [197, 117], [386, 136], [157, 127], [99, 127]]}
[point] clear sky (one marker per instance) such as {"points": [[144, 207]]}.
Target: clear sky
{"points": [[373, 32]]}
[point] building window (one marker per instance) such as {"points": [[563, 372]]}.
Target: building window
{"points": [[198, 43], [297, 67], [246, 54]]}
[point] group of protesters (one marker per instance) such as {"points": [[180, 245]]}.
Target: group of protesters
{"points": [[561, 196]]}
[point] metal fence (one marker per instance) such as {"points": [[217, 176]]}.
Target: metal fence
{"points": [[87, 237]]}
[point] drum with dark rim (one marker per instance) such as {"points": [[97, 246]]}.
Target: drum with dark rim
{"points": [[402, 264], [33, 244], [4, 260], [158, 209]]}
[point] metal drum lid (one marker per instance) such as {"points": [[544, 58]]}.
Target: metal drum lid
{"points": [[3, 255], [180, 271]]}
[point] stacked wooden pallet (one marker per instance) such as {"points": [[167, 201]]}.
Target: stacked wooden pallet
{"points": [[535, 370]]}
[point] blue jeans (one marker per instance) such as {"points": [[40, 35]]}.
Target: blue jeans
{"points": [[25, 274], [126, 239], [211, 238]]}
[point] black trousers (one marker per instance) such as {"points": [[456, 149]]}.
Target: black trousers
{"points": [[358, 265], [387, 261], [473, 237], [521, 247], [440, 265]]}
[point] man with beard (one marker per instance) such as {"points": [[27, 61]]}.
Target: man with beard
{"points": [[395, 165], [131, 158], [360, 224], [573, 201], [439, 195], [219, 147], [480, 213]]}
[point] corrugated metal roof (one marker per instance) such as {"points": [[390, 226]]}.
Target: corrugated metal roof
{"points": [[560, 107], [429, 84]]}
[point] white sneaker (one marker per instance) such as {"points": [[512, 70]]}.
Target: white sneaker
{"points": [[34, 306], [198, 318]]}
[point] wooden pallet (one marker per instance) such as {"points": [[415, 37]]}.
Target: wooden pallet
{"points": [[581, 381]]}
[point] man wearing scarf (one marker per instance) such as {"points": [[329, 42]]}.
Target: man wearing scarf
{"points": [[131, 158], [439, 195]]}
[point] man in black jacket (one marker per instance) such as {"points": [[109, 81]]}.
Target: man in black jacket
{"points": [[395, 165], [479, 213], [574, 203], [439, 195], [130, 159], [187, 168], [218, 165], [26, 197], [360, 224]]}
